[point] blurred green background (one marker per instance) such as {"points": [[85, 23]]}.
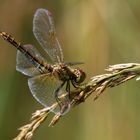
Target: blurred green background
{"points": [[97, 32]]}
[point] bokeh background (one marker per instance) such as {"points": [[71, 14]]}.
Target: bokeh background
{"points": [[97, 32]]}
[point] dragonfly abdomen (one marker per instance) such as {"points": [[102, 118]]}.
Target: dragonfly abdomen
{"points": [[28, 52]]}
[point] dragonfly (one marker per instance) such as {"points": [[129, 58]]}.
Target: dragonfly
{"points": [[50, 78]]}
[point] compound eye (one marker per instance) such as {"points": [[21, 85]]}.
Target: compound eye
{"points": [[80, 76]]}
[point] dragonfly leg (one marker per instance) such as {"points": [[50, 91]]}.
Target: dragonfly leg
{"points": [[74, 84], [63, 100], [66, 105], [57, 96], [68, 88]]}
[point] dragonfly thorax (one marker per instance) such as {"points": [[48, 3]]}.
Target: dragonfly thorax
{"points": [[66, 73]]}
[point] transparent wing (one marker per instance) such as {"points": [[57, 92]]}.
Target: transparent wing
{"points": [[43, 89], [25, 64], [44, 31]]}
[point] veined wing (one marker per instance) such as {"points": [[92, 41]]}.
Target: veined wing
{"points": [[44, 31], [43, 88], [26, 64]]}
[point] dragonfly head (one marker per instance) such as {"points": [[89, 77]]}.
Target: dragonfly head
{"points": [[80, 75]]}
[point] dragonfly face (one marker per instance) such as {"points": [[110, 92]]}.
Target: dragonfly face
{"points": [[50, 79]]}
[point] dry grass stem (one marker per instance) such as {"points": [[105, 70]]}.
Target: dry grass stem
{"points": [[117, 74], [26, 132]]}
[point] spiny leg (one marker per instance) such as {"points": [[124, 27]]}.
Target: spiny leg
{"points": [[63, 101], [57, 96], [66, 104], [74, 84], [68, 89]]}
